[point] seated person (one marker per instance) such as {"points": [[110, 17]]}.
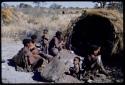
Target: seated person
{"points": [[42, 48], [93, 61], [56, 44], [75, 71], [45, 33], [45, 44], [26, 57], [42, 53]]}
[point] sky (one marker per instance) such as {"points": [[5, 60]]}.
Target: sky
{"points": [[81, 4]]}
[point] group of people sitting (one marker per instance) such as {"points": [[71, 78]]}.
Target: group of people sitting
{"points": [[34, 52], [33, 55]]}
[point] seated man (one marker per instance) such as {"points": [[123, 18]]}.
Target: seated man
{"points": [[27, 58], [93, 62], [56, 44]]}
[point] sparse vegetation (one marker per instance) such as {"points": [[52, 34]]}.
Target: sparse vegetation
{"points": [[19, 23], [6, 15]]}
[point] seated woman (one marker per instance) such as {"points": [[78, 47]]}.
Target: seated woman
{"points": [[28, 57], [56, 44]]}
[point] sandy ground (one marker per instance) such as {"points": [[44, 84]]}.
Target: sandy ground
{"points": [[9, 75]]}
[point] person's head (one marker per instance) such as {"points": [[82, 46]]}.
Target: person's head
{"points": [[95, 49], [34, 38], [28, 43], [76, 60], [59, 34], [45, 31]]}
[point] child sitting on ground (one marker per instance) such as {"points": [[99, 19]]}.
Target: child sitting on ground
{"points": [[75, 71]]}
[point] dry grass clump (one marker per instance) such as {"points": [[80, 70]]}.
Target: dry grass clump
{"points": [[6, 15], [23, 25]]}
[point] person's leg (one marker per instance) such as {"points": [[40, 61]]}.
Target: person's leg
{"points": [[71, 69], [55, 51], [37, 64], [101, 66]]}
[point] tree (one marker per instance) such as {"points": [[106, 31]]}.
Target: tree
{"points": [[96, 6], [37, 3], [100, 4], [71, 7], [63, 7], [22, 5], [4, 5], [55, 6], [115, 5], [43, 3], [12, 6]]}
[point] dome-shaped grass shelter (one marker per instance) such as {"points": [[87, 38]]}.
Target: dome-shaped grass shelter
{"points": [[96, 26]]}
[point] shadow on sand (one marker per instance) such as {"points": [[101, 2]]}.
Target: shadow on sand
{"points": [[11, 62], [37, 77]]}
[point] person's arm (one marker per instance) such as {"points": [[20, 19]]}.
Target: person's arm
{"points": [[56, 42], [28, 54], [46, 56]]}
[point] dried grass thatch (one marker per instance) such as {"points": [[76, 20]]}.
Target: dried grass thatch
{"points": [[113, 16]]}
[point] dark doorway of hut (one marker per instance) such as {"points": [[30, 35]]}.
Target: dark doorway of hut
{"points": [[93, 30]]}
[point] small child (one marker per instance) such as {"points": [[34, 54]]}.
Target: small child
{"points": [[75, 71], [44, 41], [45, 44], [45, 34]]}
